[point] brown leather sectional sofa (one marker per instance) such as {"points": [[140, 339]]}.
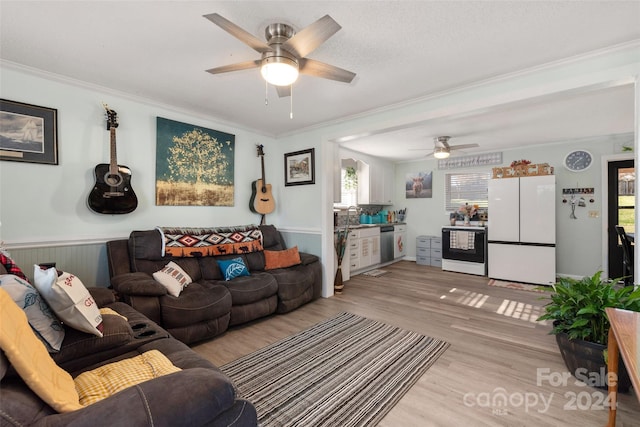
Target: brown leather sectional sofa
{"points": [[209, 305]]}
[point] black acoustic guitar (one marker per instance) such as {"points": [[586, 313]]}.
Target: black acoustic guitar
{"points": [[262, 201], [112, 192]]}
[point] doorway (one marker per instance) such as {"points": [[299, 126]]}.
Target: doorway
{"points": [[621, 180]]}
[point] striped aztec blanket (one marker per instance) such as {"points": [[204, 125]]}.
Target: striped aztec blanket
{"points": [[199, 242]]}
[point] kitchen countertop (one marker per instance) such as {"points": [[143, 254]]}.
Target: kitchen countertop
{"points": [[358, 226]]}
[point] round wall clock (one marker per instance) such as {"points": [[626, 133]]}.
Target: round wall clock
{"points": [[578, 160]]}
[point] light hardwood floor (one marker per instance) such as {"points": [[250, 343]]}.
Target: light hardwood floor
{"points": [[497, 350]]}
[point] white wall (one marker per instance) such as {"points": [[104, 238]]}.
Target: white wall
{"points": [[46, 203]]}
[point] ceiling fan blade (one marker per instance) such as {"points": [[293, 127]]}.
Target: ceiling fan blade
{"points": [[235, 67], [249, 39], [308, 39], [463, 146], [311, 67], [283, 91]]}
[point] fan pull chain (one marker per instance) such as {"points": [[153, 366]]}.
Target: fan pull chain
{"points": [[291, 103], [266, 93]]}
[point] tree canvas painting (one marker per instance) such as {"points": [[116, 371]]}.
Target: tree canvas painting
{"points": [[194, 165]]}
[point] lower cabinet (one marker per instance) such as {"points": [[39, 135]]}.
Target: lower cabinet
{"points": [[429, 250], [363, 251], [369, 246]]}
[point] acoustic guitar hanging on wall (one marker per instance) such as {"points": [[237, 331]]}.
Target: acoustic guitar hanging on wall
{"points": [[112, 192], [262, 201]]}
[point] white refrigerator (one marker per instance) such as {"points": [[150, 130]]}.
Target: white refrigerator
{"points": [[522, 229]]}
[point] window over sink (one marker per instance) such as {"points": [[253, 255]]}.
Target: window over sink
{"points": [[348, 185]]}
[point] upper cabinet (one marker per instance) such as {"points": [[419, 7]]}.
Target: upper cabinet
{"points": [[375, 183], [375, 179]]}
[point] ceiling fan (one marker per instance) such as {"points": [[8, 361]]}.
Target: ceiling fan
{"points": [[442, 149], [284, 52]]}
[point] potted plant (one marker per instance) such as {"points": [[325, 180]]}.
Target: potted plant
{"points": [[577, 309]]}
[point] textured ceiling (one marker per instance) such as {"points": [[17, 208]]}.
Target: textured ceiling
{"points": [[400, 50]]}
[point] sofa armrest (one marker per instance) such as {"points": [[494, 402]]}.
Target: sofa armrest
{"points": [[198, 395], [137, 284], [102, 296], [307, 259]]}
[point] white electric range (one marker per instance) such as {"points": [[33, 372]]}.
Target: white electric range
{"points": [[464, 249]]}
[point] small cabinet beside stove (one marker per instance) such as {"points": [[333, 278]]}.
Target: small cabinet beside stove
{"points": [[429, 250]]}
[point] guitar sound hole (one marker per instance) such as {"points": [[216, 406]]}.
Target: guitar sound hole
{"points": [[113, 180]]}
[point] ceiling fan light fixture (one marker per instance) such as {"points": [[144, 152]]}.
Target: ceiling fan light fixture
{"points": [[440, 153], [279, 70]]}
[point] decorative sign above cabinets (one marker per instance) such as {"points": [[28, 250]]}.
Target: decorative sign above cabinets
{"points": [[470, 161]]}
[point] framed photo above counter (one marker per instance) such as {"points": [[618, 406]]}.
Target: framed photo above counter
{"points": [[28, 133]]}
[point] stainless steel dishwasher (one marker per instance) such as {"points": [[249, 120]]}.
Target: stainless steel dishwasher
{"points": [[386, 243]]}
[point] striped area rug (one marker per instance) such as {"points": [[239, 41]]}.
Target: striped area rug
{"points": [[345, 371]]}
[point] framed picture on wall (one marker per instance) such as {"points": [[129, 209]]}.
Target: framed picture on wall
{"points": [[194, 165], [299, 167], [419, 185], [28, 133]]}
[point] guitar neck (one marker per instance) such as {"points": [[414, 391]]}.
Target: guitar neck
{"points": [[264, 181], [113, 164]]}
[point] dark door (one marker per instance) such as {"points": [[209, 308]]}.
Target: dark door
{"points": [[621, 206]]}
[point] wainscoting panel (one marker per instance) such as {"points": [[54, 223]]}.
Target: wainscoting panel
{"points": [[86, 261], [309, 242]]}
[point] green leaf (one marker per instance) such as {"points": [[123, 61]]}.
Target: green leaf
{"points": [[590, 309]]}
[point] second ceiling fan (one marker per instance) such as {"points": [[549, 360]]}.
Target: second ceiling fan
{"points": [[442, 149], [284, 52]]}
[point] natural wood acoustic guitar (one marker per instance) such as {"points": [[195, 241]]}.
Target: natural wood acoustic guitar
{"points": [[262, 201]]}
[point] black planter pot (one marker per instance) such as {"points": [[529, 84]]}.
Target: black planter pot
{"points": [[585, 361]]}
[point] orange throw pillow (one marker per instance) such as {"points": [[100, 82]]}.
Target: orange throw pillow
{"points": [[281, 259]]}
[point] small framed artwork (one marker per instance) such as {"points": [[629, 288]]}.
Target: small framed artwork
{"points": [[299, 167], [419, 185], [28, 133]]}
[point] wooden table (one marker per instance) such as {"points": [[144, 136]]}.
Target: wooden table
{"points": [[624, 337]]}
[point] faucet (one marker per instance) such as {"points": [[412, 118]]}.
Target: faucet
{"points": [[355, 208]]}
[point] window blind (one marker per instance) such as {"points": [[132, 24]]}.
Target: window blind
{"points": [[471, 188]]}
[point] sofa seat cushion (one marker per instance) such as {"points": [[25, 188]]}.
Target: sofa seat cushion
{"points": [[294, 284], [249, 289], [100, 383], [200, 301]]}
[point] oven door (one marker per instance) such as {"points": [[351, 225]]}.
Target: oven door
{"points": [[464, 245]]}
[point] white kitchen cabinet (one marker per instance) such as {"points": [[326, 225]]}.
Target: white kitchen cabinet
{"points": [[375, 183], [363, 250], [353, 253], [399, 241], [369, 245], [369, 251]]}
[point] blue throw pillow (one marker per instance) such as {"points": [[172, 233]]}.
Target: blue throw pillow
{"points": [[232, 268]]}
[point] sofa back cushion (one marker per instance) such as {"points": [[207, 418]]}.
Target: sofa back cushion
{"points": [[271, 238], [32, 362], [145, 245], [145, 252]]}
